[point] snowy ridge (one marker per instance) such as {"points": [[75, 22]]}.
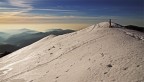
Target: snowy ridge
{"points": [[135, 34], [94, 54], [106, 25]]}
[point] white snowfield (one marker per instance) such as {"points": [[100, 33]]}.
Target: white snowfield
{"points": [[95, 54]]}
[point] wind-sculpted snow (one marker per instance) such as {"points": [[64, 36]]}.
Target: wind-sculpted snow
{"points": [[135, 34], [94, 54]]}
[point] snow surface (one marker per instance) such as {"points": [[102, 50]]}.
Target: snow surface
{"points": [[93, 54]]}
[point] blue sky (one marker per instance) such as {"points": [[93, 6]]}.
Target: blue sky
{"points": [[71, 11], [96, 7]]}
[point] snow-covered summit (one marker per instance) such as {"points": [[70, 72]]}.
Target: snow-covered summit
{"points": [[94, 54], [107, 24]]}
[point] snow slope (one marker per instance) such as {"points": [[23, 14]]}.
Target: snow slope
{"points": [[94, 54]]}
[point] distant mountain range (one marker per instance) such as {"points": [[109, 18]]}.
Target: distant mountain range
{"points": [[19, 31], [133, 27], [15, 39], [7, 48]]}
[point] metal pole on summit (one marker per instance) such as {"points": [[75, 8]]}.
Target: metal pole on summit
{"points": [[110, 23]]}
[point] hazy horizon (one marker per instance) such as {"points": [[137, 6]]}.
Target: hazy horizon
{"points": [[41, 27], [68, 14]]}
